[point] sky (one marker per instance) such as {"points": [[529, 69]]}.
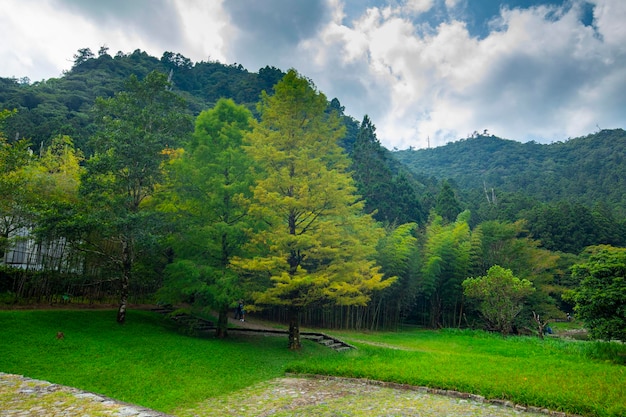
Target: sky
{"points": [[426, 72]]}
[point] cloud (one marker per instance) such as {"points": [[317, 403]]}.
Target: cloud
{"points": [[423, 70], [540, 73], [269, 32]]}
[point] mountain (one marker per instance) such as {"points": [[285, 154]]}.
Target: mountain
{"points": [[61, 106], [584, 170]]}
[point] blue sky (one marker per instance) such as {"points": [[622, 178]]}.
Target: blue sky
{"points": [[425, 71]]}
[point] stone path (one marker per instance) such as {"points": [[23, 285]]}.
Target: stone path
{"points": [[25, 397], [281, 397]]}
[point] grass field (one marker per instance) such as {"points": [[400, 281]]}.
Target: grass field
{"points": [[147, 362], [143, 362]]}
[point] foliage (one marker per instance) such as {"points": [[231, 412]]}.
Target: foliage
{"points": [[15, 198], [583, 170], [570, 192], [570, 227], [397, 254], [206, 198], [447, 205], [500, 295], [445, 261], [508, 245], [61, 106], [600, 299], [317, 246], [391, 198], [135, 127]]}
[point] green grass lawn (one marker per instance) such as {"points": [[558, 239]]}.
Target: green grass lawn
{"points": [[570, 376], [145, 361], [149, 363]]}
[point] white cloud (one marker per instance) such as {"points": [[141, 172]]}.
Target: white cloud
{"points": [[538, 73], [206, 29], [418, 6]]}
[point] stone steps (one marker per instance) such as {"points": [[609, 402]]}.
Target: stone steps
{"points": [[199, 325]]}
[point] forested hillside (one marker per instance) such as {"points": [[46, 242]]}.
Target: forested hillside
{"points": [[202, 183], [62, 105], [583, 170]]}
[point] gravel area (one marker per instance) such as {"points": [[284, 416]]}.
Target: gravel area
{"points": [[281, 397]]}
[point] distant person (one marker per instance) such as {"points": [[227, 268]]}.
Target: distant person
{"points": [[239, 311]]}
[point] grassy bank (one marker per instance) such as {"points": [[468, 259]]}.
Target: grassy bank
{"points": [[560, 375], [143, 362], [146, 362]]}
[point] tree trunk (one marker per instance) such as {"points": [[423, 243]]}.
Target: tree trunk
{"points": [[125, 280], [121, 312], [294, 329], [221, 331]]}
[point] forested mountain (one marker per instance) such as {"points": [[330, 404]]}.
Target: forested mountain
{"points": [[583, 170], [185, 182], [496, 179], [61, 106]]}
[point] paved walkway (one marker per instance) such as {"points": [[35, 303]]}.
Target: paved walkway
{"points": [[281, 397], [25, 397]]}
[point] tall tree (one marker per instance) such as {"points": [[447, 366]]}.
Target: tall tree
{"points": [[135, 127], [601, 296], [207, 197], [445, 263], [447, 206], [318, 246], [390, 197], [397, 254]]}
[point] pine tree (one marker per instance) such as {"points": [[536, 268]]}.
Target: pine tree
{"points": [[317, 246], [207, 198]]}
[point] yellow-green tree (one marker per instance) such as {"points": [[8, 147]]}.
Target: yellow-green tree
{"points": [[317, 246]]}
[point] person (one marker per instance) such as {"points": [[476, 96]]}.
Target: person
{"points": [[239, 311]]}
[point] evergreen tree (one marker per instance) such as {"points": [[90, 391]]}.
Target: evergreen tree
{"points": [[207, 198], [391, 198], [317, 246], [447, 206]]}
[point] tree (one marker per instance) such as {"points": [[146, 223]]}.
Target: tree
{"points": [[135, 128], [207, 198], [15, 199], [447, 205], [600, 299], [397, 254], [317, 246], [82, 56], [445, 262], [500, 296], [390, 198]]}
